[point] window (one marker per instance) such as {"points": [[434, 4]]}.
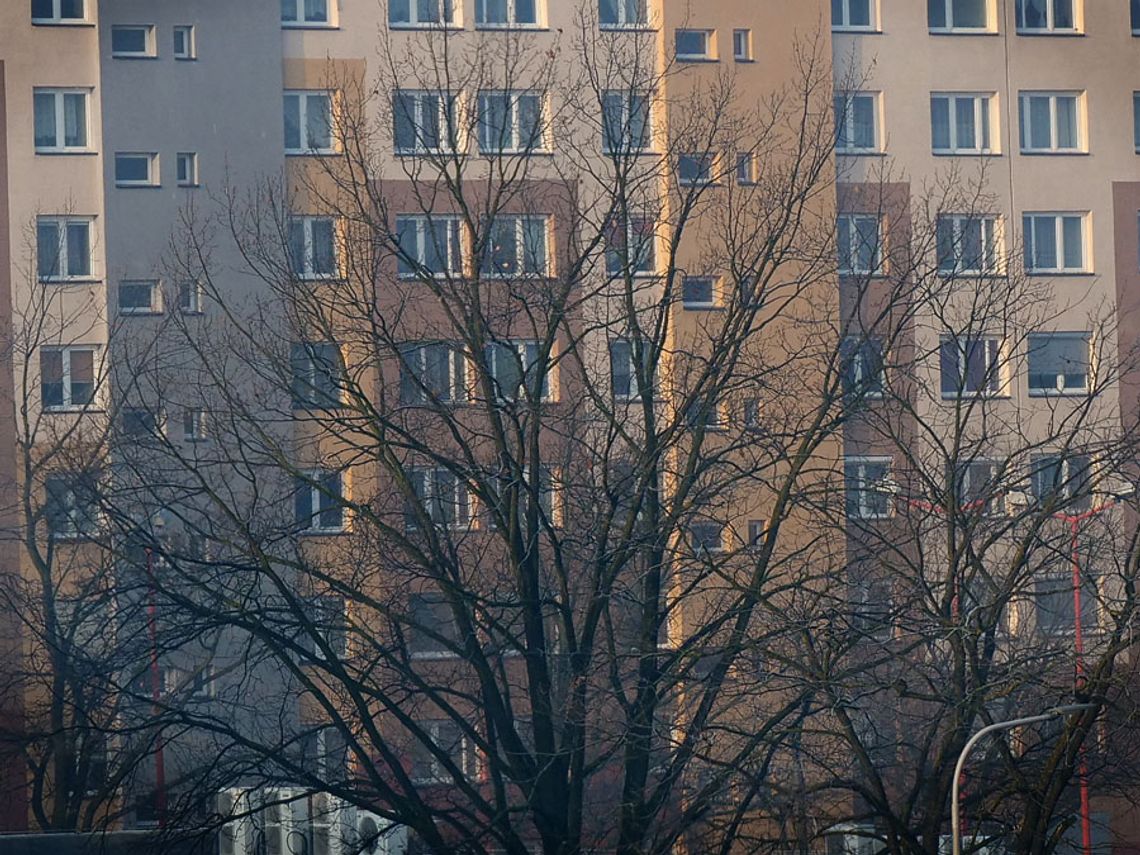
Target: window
{"points": [[424, 122], [58, 11], [318, 501], [432, 631], [184, 47], [1136, 120], [756, 532], [971, 365], [507, 13], [960, 124], [746, 169], [420, 13], [60, 119], [190, 297], [1135, 17], [1046, 16], [441, 496], [623, 368], [513, 363], [626, 124], [967, 244], [856, 123], [194, 426], [1054, 243], [308, 123], [694, 45], [67, 377], [1055, 602], [312, 247], [702, 413], [429, 245], [698, 292], [136, 169], [1051, 122], [132, 41], [860, 248], [751, 414], [71, 504], [516, 246], [323, 625], [1059, 363], [852, 14], [706, 536], [511, 122], [695, 168], [630, 247], [861, 366], [447, 738], [742, 45], [1062, 478], [140, 422], [139, 297], [317, 372], [432, 373], [974, 487], [186, 169], [63, 248], [305, 13], [623, 13], [951, 15], [866, 479]]}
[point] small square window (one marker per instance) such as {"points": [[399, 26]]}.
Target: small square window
{"points": [[742, 45], [139, 297], [136, 169], [134, 41], [184, 47], [706, 536], [694, 45], [698, 292], [186, 172]]}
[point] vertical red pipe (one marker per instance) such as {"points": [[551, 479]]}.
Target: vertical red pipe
{"points": [[1079, 649]]}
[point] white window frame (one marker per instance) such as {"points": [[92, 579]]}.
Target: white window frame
{"points": [[514, 143], [520, 347], [985, 119], [719, 547], [705, 163], [747, 169], [847, 145], [512, 22], [152, 169], [155, 305], [995, 372], [701, 305], [150, 48], [1050, 15], [301, 22], [309, 253], [844, 26], [414, 358], [631, 234], [62, 224], [453, 249], [1058, 218], [618, 347], [709, 54], [462, 502], [449, 103], [865, 510], [520, 228], [68, 405], [195, 424], [57, 16], [60, 146], [853, 244], [992, 244], [853, 350], [624, 101], [413, 22], [195, 294], [92, 516], [1061, 584], [189, 42], [305, 146], [1025, 132], [640, 16], [993, 505], [308, 480], [1053, 391], [951, 27], [742, 45], [190, 160]]}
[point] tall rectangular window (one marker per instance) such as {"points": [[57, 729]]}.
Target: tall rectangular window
{"points": [[626, 122], [136, 169], [71, 504], [1135, 14], [1055, 243], [967, 15], [441, 496], [63, 248], [429, 245], [861, 366], [623, 13], [425, 767], [511, 122], [1136, 121], [516, 246], [308, 123], [1047, 16], [1051, 122], [856, 122], [68, 377], [623, 368], [190, 297], [968, 244], [432, 630], [421, 13], [1059, 363], [859, 243], [132, 41], [186, 169], [306, 13], [317, 370], [867, 495], [508, 13], [431, 373], [742, 45], [1064, 478], [184, 43], [59, 11], [1056, 603], [514, 365], [424, 122], [960, 123], [312, 247], [60, 119], [852, 14], [631, 247], [971, 365], [318, 501]]}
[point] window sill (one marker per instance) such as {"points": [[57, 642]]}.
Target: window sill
{"points": [[951, 153], [141, 313], [309, 25], [433, 656], [859, 31], [311, 152], [319, 277], [1053, 393], [182, 185], [509, 27], [323, 532], [120, 185], [860, 152], [1059, 273], [408, 27], [696, 60], [627, 28], [56, 152], [969, 395], [429, 153], [69, 280], [185, 58], [520, 152], [971, 274], [1048, 152], [701, 307], [70, 410], [962, 31], [134, 56], [51, 22], [1065, 34]]}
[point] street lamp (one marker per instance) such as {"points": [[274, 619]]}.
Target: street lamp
{"points": [[955, 816]]}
